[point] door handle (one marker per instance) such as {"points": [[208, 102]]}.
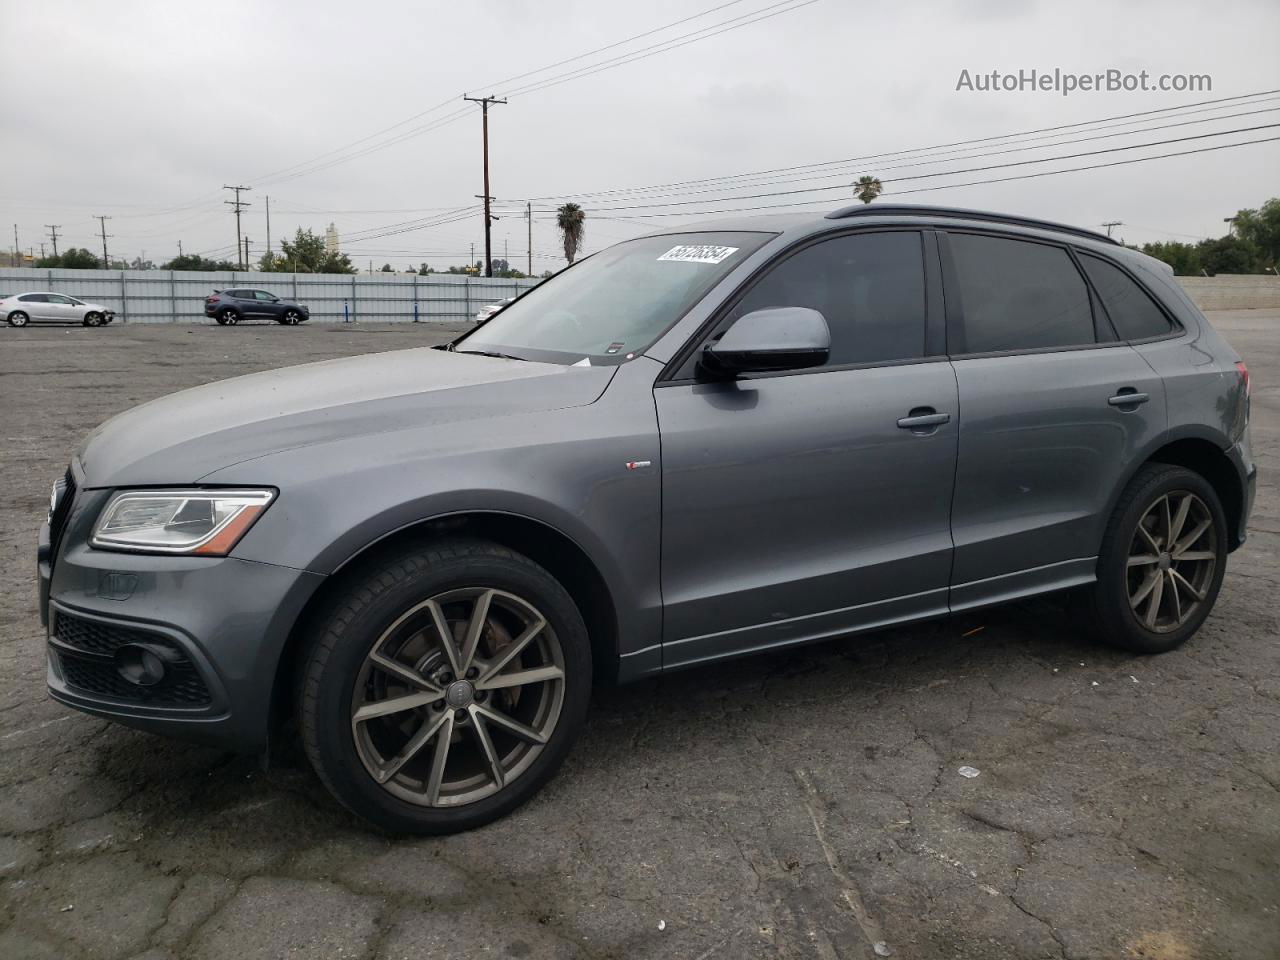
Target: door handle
{"points": [[922, 418], [1128, 397]]}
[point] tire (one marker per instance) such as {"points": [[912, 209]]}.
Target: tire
{"points": [[228, 316], [1180, 585], [92, 319], [384, 767], [18, 319], [291, 318]]}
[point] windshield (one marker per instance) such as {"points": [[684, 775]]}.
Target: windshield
{"points": [[612, 305]]}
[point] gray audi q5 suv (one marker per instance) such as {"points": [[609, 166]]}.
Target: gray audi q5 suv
{"points": [[687, 447]]}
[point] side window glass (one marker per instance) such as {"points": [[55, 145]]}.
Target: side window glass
{"points": [[1132, 311], [1018, 295], [868, 286], [34, 298]]}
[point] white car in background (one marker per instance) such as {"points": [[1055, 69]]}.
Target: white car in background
{"points": [[489, 309], [19, 309]]}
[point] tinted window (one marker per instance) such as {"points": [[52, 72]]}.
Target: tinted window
{"points": [[1133, 313], [869, 286], [1017, 295], [34, 298]]}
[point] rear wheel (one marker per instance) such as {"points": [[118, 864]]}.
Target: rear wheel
{"points": [[228, 316], [1162, 561], [18, 319], [445, 687]]}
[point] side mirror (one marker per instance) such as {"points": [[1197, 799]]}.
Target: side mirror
{"points": [[779, 338]]}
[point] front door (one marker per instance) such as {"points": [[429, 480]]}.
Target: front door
{"points": [[814, 503]]}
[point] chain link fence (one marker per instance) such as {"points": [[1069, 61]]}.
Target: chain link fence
{"points": [[177, 296]]}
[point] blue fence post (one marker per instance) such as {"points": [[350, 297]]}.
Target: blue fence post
{"points": [[346, 317]]}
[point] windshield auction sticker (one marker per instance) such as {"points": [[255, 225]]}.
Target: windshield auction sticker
{"points": [[699, 253]]}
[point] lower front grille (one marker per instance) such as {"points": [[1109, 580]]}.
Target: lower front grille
{"points": [[86, 655]]}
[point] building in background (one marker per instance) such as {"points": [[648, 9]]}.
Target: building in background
{"points": [[331, 240]]}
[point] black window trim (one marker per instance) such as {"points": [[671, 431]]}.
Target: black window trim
{"points": [[1176, 329], [681, 370], [955, 317]]}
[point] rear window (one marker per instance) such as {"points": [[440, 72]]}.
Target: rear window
{"points": [[1132, 311], [1018, 295]]}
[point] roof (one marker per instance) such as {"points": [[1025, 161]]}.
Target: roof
{"points": [[783, 222]]}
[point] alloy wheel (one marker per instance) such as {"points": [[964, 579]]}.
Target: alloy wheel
{"points": [[1171, 562], [458, 697]]}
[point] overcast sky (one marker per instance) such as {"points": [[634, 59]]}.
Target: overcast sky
{"points": [[143, 110]]}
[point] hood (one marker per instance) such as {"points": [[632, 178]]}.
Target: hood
{"points": [[183, 437]]}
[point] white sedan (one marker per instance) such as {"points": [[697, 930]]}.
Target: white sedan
{"points": [[489, 309], [19, 309]]}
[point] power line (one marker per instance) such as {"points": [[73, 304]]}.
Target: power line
{"points": [[913, 150], [948, 186], [333, 157], [946, 173]]}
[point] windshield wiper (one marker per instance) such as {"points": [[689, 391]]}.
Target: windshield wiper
{"points": [[490, 353]]}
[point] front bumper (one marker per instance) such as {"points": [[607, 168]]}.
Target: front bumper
{"points": [[222, 624]]}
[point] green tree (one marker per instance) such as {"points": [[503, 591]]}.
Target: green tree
{"points": [[305, 253], [387, 268], [424, 270], [867, 188], [190, 261], [1229, 255], [571, 220], [74, 258], [1262, 229], [1183, 257]]}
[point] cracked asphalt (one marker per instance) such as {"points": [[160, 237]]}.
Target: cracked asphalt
{"points": [[805, 804]]}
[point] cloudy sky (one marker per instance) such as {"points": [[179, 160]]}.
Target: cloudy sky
{"points": [[352, 113]]}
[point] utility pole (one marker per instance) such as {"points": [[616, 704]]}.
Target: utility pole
{"points": [[179, 248], [472, 262], [17, 248], [246, 253], [53, 235], [106, 261], [237, 204], [488, 220], [506, 254], [42, 250], [268, 224], [1113, 223], [528, 215]]}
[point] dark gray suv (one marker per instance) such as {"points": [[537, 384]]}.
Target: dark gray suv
{"points": [[684, 448], [232, 306]]}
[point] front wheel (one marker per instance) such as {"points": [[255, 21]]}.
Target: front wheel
{"points": [[292, 318], [1161, 563], [444, 687], [92, 319], [18, 319]]}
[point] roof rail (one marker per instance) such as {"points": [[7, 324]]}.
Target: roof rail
{"points": [[959, 213]]}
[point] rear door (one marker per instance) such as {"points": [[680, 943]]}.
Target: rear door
{"points": [[804, 504], [1056, 409], [37, 306]]}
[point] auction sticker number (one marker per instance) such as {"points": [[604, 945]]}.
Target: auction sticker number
{"points": [[699, 253]]}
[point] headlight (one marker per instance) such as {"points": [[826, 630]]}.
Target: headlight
{"points": [[202, 522]]}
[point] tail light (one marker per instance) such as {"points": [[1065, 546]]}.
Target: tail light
{"points": [[212, 299], [1244, 377]]}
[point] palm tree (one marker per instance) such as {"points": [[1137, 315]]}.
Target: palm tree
{"points": [[570, 218], [867, 189]]}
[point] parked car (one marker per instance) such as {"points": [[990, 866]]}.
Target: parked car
{"points": [[232, 306], [19, 309], [684, 448], [489, 309]]}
